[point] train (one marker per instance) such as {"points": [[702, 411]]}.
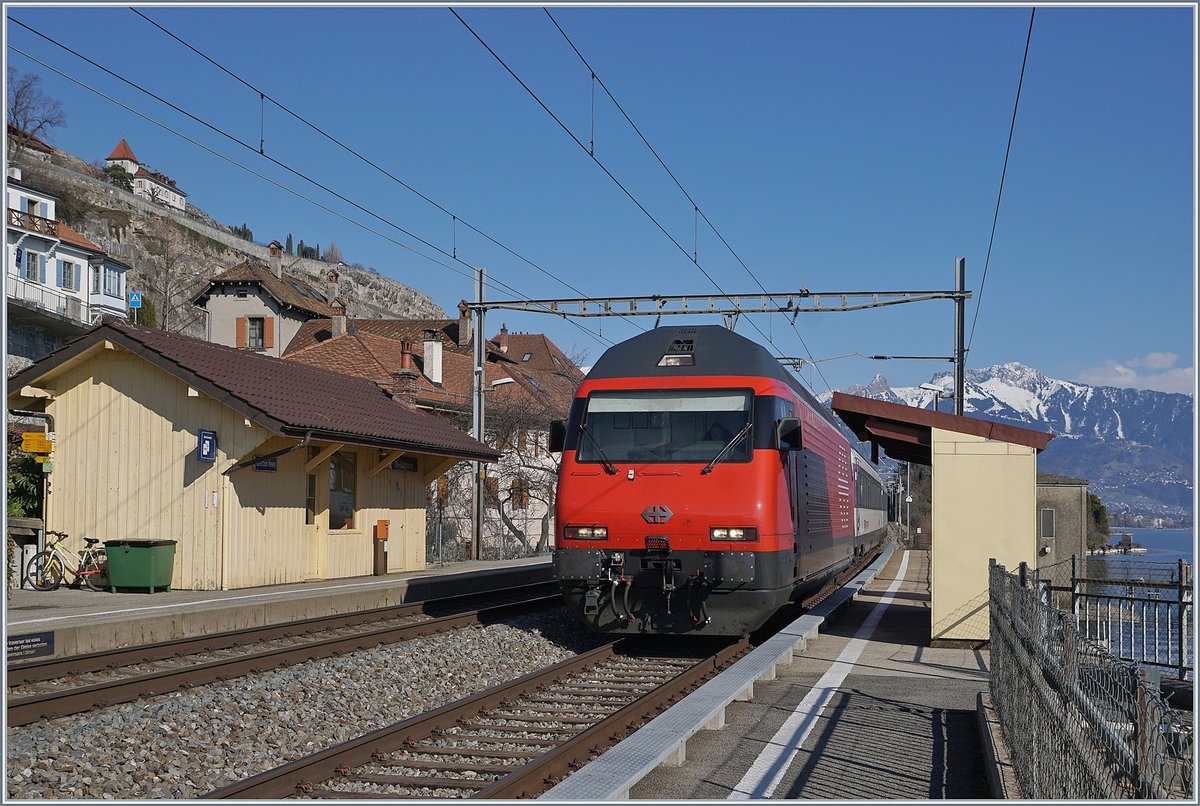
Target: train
{"points": [[702, 488]]}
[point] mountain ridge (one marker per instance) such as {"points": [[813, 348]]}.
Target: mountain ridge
{"points": [[1134, 446]]}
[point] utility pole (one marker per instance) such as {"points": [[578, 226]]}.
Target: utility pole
{"points": [[477, 386], [908, 506], [960, 310]]}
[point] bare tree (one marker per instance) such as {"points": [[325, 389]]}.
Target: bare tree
{"points": [[172, 275], [31, 112], [332, 253]]}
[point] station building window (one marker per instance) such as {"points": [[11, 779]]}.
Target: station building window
{"points": [[343, 489]]}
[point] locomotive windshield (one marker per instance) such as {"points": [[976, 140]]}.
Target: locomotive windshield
{"points": [[678, 425]]}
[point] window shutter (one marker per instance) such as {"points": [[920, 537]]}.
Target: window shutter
{"points": [[240, 332], [78, 277], [269, 332], [24, 204], [41, 269], [58, 272], [43, 209]]}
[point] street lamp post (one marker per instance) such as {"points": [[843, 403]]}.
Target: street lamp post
{"points": [[938, 392]]}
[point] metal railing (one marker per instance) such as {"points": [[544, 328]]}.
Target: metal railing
{"points": [[1080, 723], [1141, 611], [48, 299]]}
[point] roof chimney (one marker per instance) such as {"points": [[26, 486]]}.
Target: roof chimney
{"points": [[276, 250], [504, 338], [337, 324], [404, 387], [464, 324], [432, 347], [331, 285]]}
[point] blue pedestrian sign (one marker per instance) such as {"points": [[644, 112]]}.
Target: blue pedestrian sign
{"points": [[135, 299], [206, 445]]}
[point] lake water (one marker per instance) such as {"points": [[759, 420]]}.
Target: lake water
{"points": [[1162, 545], [1164, 549]]}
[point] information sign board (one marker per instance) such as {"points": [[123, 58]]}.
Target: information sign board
{"points": [[36, 442]]}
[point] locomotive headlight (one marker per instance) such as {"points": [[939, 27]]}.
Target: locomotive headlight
{"points": [[585, 532], [732, 533]]}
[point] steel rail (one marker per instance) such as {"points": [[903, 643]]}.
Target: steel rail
{"points": [[282, 781], [536, 775], [24, 710], [51, 668]]}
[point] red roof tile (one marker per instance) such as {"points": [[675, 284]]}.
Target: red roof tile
{"points": [[122, 152], [378, 358], [318, 330], [68, 235]]}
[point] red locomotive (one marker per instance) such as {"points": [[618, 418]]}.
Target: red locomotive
{"points": [[702, 488]]}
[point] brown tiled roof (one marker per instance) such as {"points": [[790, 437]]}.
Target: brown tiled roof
{"points": [[285, 397], [315, 331], [122, 152], [68, 235], [367, 355], [288, 290]]}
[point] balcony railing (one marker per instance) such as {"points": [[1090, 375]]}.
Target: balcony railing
{"points": [[48, 299], [33, 223]]}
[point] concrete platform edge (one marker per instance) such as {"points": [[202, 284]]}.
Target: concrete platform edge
{"points": [[86, 633], [664, 739], [1002, 778]]}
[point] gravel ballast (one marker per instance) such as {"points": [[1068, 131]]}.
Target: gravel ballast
{"points": [[184, 744]]}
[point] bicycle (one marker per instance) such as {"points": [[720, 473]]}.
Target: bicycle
{"points": [[47, 568]]}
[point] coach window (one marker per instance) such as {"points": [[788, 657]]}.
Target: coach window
{"points": [[343, 489]]}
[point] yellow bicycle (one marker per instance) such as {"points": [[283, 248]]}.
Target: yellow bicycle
{"points": [[47, 568]]}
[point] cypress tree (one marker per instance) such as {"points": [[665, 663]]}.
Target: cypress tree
{"points": [[287, 247]]}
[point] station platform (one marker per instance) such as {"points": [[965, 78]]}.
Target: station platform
{"points": [[853, 705], [71, 621]]}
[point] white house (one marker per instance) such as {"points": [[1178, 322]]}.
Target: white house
{"points": [[52, 269], [149, 184]]}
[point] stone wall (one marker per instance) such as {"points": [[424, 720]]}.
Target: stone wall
{"points": [[367, 295]]}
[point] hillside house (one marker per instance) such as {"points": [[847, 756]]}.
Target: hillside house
{"points": [[58, 283], [260, 308], [523, 394], [263, 471], [147, 183]]}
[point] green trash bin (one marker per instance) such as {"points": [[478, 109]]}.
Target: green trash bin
{"points": [[140, 564]]}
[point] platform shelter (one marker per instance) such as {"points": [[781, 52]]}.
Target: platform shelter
{"points": [[984, 500]]}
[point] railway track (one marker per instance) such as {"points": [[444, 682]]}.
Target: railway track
{"points": [[61, 686], [511, 741]]}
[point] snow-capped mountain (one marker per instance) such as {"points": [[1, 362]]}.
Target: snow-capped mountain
{"points": [[1134, 446]]}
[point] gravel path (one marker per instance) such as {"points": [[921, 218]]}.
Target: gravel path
{"points": [[184, 744]]}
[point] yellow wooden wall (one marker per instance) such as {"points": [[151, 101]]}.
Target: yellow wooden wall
{"points": [[125, 467]]}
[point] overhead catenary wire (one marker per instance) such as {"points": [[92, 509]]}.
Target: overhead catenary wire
{"points": [[272, 160], [604, 168], [1003, 171], [696, 211], [457, 219]]}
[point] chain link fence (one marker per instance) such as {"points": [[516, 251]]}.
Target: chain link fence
{"points": [[1081, 723]]}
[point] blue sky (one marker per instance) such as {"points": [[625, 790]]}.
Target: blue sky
{"points": [[837, 149]]}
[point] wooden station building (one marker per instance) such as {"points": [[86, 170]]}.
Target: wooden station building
{"points": [[263, 471]]}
